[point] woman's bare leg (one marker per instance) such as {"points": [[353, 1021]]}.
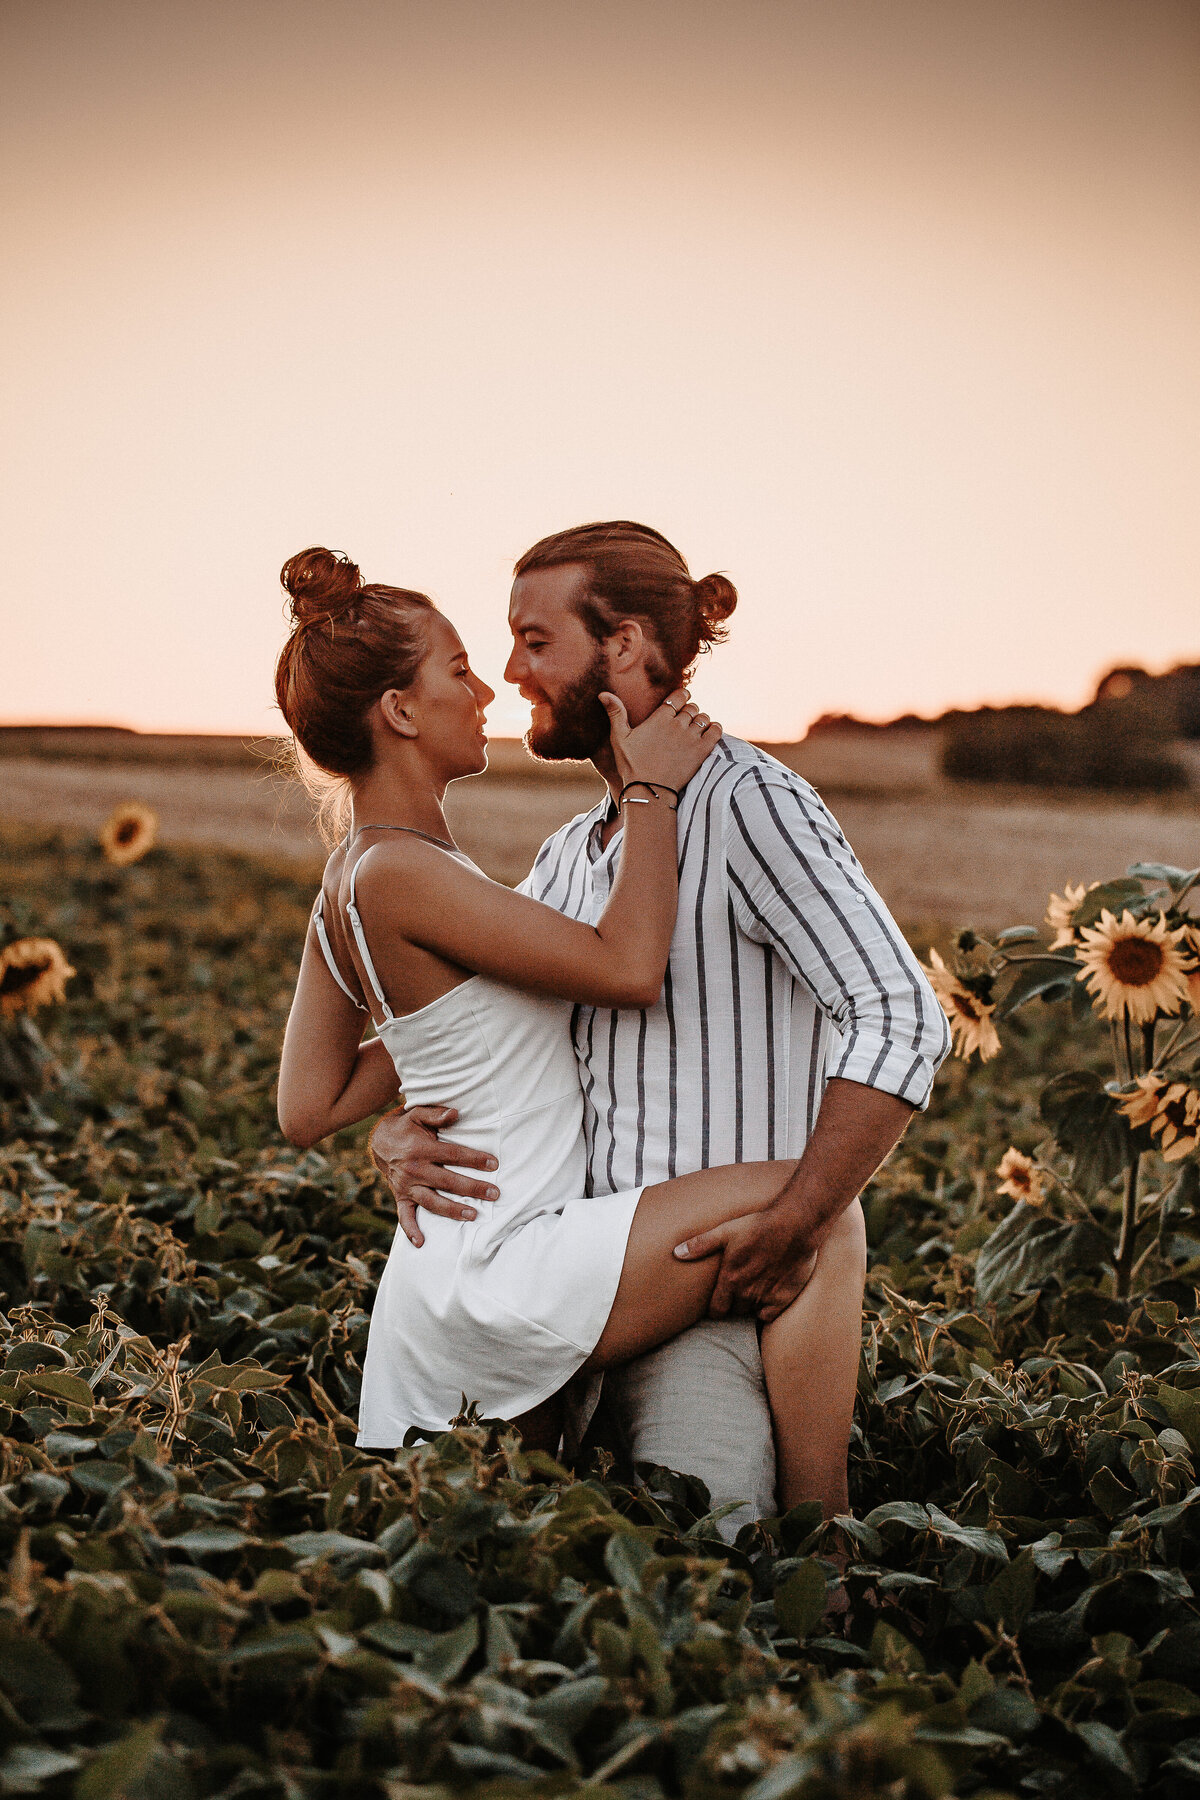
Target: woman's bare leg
{"points": [[810, 1353], [659, 1296]]}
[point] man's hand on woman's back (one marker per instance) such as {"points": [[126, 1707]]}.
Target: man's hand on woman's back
{"points": [[406, 1149]]}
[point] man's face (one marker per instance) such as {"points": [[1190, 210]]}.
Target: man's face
{"points": [[557, 664]]}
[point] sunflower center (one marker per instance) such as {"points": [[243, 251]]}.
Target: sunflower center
{"points": [[127, 831], [970, 1009], [15, 981], [1135, 961]]}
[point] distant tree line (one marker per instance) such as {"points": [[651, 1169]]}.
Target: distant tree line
{"points": [[1125, 736]]}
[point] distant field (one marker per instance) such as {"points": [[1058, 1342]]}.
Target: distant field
{"points": [[937, 852]]}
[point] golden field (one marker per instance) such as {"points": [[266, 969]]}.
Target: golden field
{"points": [[935, 850]]}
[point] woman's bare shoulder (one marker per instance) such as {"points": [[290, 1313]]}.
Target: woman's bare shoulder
{"points": [[404, 862], [331, 875]]}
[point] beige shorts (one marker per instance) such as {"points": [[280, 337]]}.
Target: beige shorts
{"points": [[699, 1405]]}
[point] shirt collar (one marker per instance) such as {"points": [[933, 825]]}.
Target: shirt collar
{"points": [[605, 813]]}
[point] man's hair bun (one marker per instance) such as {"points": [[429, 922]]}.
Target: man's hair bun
{"points": [[716, 598], [321, 583]]}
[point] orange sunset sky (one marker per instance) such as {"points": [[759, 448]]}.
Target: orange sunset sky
{"points": [[890, 310]]}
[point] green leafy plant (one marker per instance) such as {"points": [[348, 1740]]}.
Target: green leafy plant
{"points": [[209, 1591], [1127, 952]]}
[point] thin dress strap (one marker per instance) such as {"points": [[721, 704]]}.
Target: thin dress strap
{"points": [[323, 940], [360, 940]]}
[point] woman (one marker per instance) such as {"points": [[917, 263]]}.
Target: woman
{"points": [[470, 988]]}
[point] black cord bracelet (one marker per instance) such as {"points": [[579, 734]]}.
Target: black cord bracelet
{"points": [[653, 786]]}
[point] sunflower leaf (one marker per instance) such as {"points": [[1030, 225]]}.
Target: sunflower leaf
{"points": [[1176, 879], [1088, 1125], [1049, 976], [1029, 1248], [1123, 895]]}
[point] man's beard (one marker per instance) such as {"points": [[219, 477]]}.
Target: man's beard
{"points": [[578, 723]]}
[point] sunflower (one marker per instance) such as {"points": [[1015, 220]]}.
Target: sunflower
{"points": [[1060, 914], [1021, 1178], [1135, 968], [970, 1017], [1176, 1124], [1141, 1105], [33, 972], [128, 832]]}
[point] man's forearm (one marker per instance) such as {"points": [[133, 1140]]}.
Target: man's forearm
{"points": [[767, 1256], [856, 1129]]}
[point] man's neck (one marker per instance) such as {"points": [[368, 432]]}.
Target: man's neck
{"points": [[639, 704], [605, 765]]}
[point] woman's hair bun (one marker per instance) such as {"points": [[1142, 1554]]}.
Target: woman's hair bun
{"points": [[321, 583], [716, 598]]}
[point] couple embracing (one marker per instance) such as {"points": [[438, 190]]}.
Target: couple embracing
{"points": [[674, 1055]]}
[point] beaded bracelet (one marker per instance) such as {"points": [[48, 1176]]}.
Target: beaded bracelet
{"points": [[654, 787]]}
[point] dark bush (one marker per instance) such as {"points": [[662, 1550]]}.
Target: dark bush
{"points": [[1114, 743], [1176, 694]]}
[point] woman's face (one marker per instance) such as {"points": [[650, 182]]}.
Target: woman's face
{"points": [[448, 701]]}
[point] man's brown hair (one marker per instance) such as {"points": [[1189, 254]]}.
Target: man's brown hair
{"points": [[634, 573]]}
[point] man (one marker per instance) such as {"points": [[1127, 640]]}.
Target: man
{"points": [[794, 1020]]}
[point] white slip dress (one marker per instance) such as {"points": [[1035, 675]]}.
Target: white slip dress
{"points": [[501, 1310]]}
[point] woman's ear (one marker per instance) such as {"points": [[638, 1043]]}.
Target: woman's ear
{"points": [[397, 713]]}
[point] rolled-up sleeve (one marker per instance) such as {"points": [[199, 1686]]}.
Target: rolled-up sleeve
{"points": [[795, 884]]}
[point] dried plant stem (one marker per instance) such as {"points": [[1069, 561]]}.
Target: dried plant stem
{"points": [[1063, 1186], [1123, 1262], [1173, 1045]]}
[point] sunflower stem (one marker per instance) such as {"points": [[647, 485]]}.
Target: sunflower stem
{"points": [[1128, 1047], [1178, 898], [1124, 1261], [1174, 1047], [1176, 1035], [1064, 1187], [1148, 1046]]}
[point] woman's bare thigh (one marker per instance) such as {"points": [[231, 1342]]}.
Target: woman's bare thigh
{"points": [[658, 1296]]}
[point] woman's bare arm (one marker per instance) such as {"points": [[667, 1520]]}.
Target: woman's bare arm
{"points": [[409, 890], [328, 1077]]}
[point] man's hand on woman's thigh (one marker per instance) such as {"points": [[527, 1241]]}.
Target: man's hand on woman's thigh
{"points": [[414, 1161], [761, 1272]]}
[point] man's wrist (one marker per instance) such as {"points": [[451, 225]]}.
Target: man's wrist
{"points": [[803, 1216]]}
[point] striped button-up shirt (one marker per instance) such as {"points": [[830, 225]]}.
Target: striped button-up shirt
{"points": [[785, 969]]}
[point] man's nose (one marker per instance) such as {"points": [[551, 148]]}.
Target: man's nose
{"points": [[516, 668]]}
